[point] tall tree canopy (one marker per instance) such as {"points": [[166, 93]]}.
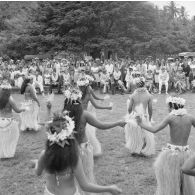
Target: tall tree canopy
{"points": [[128, 28]]}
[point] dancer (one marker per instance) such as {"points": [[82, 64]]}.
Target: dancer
{"points": [[139, 142], [74, 106], [9, 130], [61, 161], [29, 119], [89, 104], [170, 179]]}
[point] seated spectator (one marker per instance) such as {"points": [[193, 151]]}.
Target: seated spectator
{"points": [[66, 78], [149, 81], [163, 80], [193, 85], [104, 80], [39, 81], [180, 81]]}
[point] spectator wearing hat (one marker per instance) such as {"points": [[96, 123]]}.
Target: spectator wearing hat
{"points": [[163, 79]]}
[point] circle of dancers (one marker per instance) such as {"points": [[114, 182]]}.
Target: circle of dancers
{"points": [[71, 145]]}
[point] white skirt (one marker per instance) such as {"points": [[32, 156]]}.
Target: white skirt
{"points": [[29, 119], [138, 140], [9, 135], [91, 133], [170, 180], [86, 155]]}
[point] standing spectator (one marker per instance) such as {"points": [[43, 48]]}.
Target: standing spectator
{"points": [[186, 70]]}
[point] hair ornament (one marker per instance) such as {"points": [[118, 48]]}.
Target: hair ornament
{"points": [[176, 100], [66, 133]]}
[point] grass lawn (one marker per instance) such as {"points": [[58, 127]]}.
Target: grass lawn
{"points": [[135, 175]]}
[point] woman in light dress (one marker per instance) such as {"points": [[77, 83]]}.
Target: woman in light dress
{"points": [[168, 165], [75, 109], [61, 160], [139, 142], [90, 105], [29, 118], [9, 130]]}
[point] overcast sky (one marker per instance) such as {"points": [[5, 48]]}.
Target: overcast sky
{"points": [[189, 5]]}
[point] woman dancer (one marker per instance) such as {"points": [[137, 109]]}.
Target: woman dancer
{"points": [[29, 119], [139, 142], [75, 108], [170, 179], [89, 104], [61, 161], [9, 131]]}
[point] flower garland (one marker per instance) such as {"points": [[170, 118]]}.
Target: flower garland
{"points": [[82, 82], [66, 133], [73, 94], [179, 112], [5, 85], [176, 100]]}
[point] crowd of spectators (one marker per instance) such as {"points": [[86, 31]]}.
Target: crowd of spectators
{"points": [[110, 76]]}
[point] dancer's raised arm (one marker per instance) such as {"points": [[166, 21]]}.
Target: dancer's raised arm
{"points": [[152, 129], [98, 106], [14, 106], [94, 95], [150, 109], [189, 166], [38, 164], [90, 187], [96, 123], [130, 105]]}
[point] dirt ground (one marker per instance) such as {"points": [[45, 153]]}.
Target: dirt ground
{"points": [[135, 175]]}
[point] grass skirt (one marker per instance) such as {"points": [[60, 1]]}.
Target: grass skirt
{"points": [[91, 133], [170, 180], [138, 141], [29, 119], [9, 135], [86, 154]]}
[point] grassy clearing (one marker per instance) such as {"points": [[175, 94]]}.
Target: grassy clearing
{"points": [[134, 175]]}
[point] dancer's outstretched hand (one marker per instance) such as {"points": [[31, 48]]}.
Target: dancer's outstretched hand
{"points": [[138, 119], [122, 123], [115, 190], [33, 163]]}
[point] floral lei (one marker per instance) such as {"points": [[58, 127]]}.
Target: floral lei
{"points": [[66, 133]]}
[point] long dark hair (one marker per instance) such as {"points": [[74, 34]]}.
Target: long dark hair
{"points": [[75, 111], [58, 159], [24, 85], [175, 106], [4, 97], [84, 90]]}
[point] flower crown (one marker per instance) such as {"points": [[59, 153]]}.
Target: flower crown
{"points": [[73, 94], [83, 82], [5, 85], [67, 126], [89, 78], [176, 100]]}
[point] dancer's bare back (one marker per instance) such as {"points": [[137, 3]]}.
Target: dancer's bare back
{"points": [[141, 101], [180, 128]]}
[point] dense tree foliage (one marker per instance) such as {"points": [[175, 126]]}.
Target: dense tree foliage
{"points": [[126, 28]]}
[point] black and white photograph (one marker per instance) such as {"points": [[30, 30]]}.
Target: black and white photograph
{"points": [[97, 97]]}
